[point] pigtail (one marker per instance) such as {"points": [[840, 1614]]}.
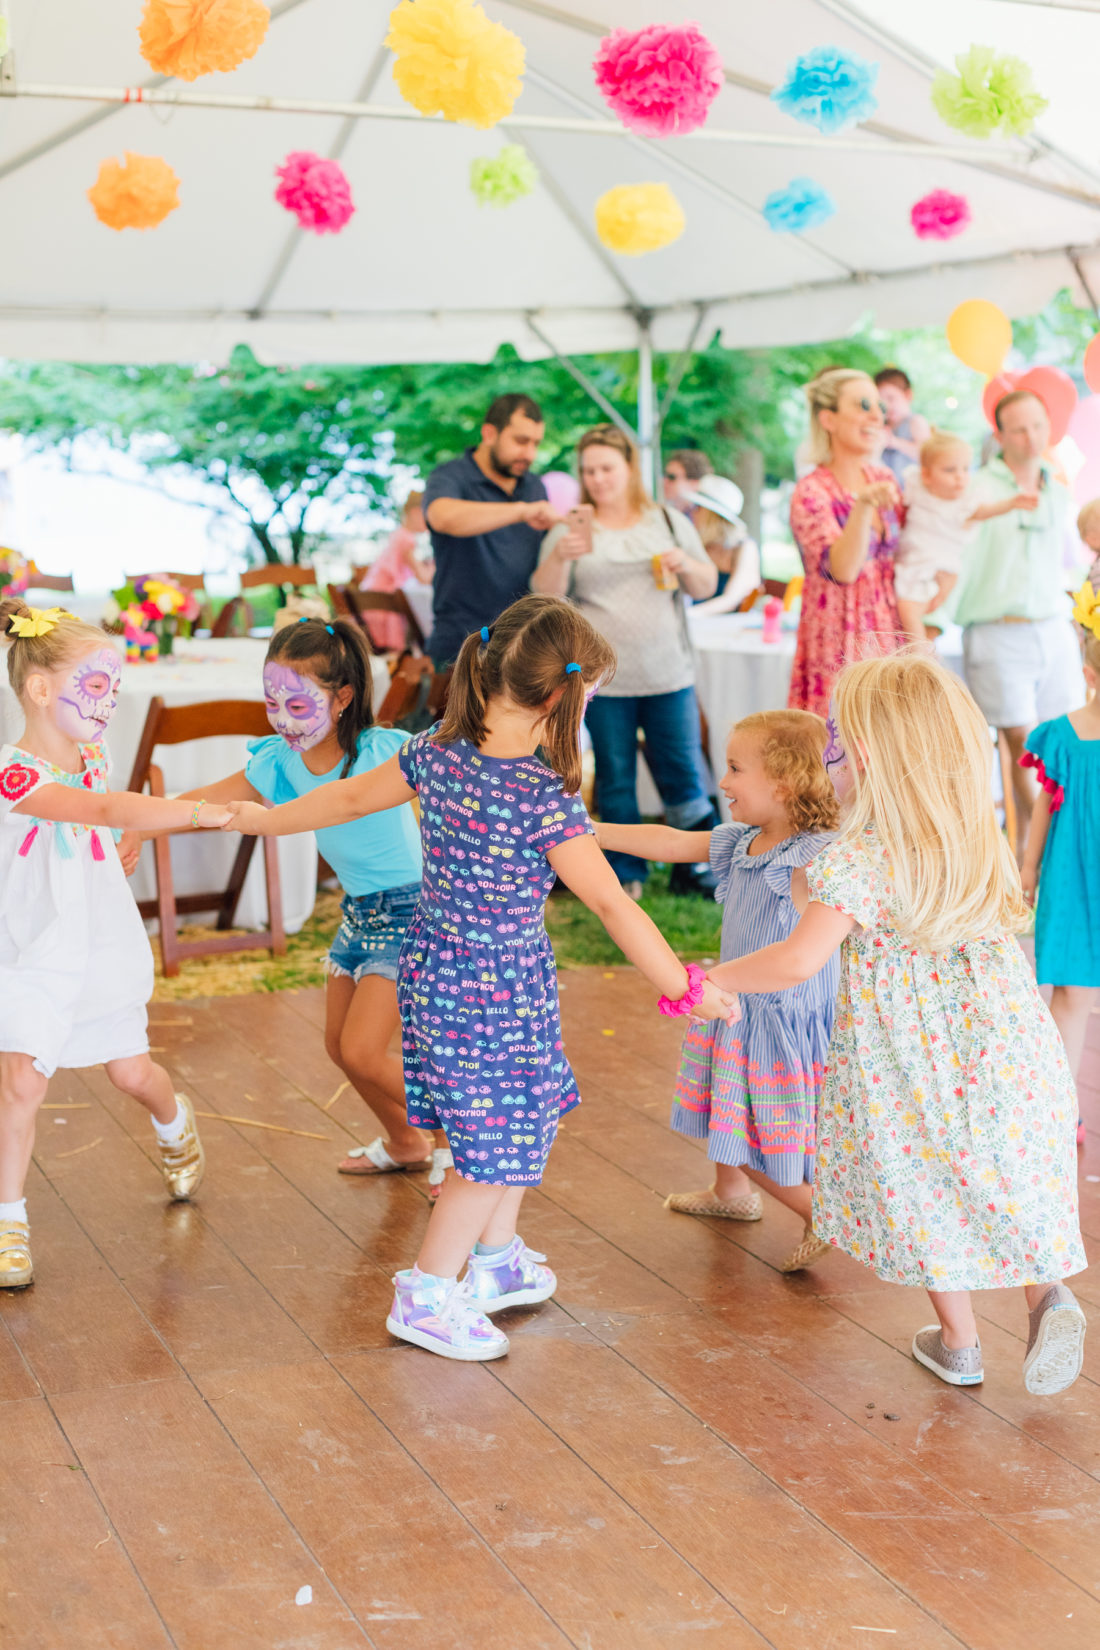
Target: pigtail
{"points": [[561, 742], [469, 691]]}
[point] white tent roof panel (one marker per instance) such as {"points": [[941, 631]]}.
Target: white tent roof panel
{"points": [[422, 272]]}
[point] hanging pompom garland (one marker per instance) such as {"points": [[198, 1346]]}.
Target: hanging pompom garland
{"points": [[451, 60], [802, 205], [660, 80], [828, 88], [136, 193], [939, 216], [992, 92], [188, 38], [316, 190], [499, 180], [639, 217]]}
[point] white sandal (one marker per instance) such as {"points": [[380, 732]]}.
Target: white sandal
{"points": [[380, 1161]]}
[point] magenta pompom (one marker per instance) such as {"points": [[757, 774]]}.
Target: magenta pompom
{"points": [[659, 80], [315, 190], [940, 215]]}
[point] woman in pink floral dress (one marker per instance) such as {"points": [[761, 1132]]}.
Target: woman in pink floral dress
{"points": [[845, 517]]}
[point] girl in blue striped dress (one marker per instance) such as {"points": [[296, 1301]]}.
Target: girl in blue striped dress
{"points": [[751, 1089]]}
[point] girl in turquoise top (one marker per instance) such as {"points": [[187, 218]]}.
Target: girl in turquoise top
{"points": [[1061, 849], [317, 689]]}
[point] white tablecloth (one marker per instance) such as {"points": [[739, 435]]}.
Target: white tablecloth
{"points": [[197, 671], [419, 598]]}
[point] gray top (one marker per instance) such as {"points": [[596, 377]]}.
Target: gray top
{"points": [[616, 590]]}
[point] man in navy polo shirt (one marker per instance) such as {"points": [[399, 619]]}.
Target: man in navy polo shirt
{"points": [[486, 514]]}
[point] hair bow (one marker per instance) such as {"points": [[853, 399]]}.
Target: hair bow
{"points": [[1086, 608], [37, 621]]}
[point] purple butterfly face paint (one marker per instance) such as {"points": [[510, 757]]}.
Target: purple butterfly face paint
{"points": [[835, 758], [89, 697], [298, 708]]}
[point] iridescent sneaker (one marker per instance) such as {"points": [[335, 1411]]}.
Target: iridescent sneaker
{"points": [[1055, 1343], [435, 1313], [516, 1277]]}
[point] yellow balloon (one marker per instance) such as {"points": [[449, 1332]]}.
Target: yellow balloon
{"points": [[980, 334]]}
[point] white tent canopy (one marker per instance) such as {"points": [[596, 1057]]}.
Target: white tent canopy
{"points": [[423, 273]]}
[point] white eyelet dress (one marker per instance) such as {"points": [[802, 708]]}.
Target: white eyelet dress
{"points": [[76, 969]]}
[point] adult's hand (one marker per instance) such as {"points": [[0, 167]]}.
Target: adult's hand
{"points": [[672, 561], [540, 514], [880, 495]]}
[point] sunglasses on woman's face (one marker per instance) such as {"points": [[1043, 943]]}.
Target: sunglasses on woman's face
{"points": [[867, 404]]}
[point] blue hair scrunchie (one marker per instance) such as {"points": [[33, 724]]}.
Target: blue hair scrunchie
{"points": [[330, 630], [485, 634], [570, 668]]}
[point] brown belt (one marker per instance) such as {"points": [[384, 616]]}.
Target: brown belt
{"points": [[1011, 618]]}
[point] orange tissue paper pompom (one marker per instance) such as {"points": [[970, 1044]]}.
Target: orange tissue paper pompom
{"points": [[137, 193], [452, 60], [186, 38]]}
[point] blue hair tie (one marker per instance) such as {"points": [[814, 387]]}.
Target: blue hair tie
{"points": [[330, 630], [304, 619], [569, 669], [485, 634]]}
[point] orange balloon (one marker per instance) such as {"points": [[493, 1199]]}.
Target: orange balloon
{"points": [[980, 334], [1092, 364]]}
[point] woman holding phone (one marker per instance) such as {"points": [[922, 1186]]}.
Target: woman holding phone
{"points": [[628, 564]]}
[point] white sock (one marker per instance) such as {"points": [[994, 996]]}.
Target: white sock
{"points": [[14, 1211], [171, 1134]]}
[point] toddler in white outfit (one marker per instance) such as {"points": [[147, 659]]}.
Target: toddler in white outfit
{"points": [[942, 512]]}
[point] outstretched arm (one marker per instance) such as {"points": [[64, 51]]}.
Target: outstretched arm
{"points": [[582, 867], [793, 960], [117, 810], [335, 804], [658, 842], [234, 789]]}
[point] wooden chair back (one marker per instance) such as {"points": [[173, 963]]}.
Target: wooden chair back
{"points": [[338, 601], [363, 602], [282, 573], [186, 581], [410, 688], [51, 581], [178, 725]]}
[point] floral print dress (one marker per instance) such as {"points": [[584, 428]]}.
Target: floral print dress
{"points": [[840, 623], [946, 1131]]}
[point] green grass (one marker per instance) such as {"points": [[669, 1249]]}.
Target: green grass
{"points": [[691, 925]]}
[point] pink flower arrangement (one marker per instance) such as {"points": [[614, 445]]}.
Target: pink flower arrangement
{"points": [[316, 190], [940, 215], [660, 80]]}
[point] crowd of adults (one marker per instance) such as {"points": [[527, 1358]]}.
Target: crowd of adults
{"points": [[633, 564]]}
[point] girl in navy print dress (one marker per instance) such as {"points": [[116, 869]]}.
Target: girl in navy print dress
{"points": [[477, 984]]}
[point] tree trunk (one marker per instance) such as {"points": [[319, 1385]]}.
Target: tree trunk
{"points": [[749, 476]]}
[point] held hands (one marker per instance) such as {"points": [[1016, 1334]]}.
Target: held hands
{"points": [[540, 514], [129, 851], [250, 818], [716, 1004], [211, 816]]}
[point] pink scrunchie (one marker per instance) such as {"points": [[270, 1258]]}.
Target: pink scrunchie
{"points": [[692, 996]]}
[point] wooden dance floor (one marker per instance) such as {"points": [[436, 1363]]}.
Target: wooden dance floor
{"points": [[203, 1417]]}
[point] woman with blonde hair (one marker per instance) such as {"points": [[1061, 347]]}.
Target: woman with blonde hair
{"points": [[627, 564], [845, 517], [946, 1157]]}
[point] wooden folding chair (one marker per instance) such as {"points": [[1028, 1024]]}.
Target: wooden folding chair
{"points": [[338, 601], [216, 719], [51, 581], [363, 602], [410, 689]]}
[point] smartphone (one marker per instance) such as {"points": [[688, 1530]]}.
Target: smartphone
{"points": [[580, 521]]}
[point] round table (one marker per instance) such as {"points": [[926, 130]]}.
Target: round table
{"points": [[196, 672]]}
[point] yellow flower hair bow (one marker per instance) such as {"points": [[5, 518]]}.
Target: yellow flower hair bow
{"points": [[37, 621], [1086, 608]]}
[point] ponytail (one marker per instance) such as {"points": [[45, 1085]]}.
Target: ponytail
{"points": [[339, 655], [466, 694], [48, 651]]}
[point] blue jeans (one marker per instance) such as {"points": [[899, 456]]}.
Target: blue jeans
{"points": [[674, 751]]}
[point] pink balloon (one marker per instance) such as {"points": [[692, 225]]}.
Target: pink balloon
{"points": [[562, 490], [1055, 389], [1091, 364], [1084, 426], [1086, 483]]}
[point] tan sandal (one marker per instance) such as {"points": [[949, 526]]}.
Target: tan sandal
{"points": [[810, 1249], [375, 1159], [748, 1207]]}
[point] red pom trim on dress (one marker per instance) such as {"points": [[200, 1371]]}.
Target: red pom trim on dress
{"points": [[1055, 791]]}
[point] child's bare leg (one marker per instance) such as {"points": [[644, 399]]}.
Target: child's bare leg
{"points": [[500, 1228], [1070, 1006], [730, 1182], [462, 1212], [798, 1198], [360, 1020], [911, 615], [945, 583], [953, 1308], [145, 1081], [22, 1091]]}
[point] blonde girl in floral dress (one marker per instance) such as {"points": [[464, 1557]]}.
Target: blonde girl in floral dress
{"points": [[946, 1156]]}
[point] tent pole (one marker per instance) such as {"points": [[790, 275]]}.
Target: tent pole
{"points": [[582, 378], [683, 362], [649, 430]]}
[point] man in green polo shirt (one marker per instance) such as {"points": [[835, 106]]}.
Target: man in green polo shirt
{"points": [[1020, 651]]}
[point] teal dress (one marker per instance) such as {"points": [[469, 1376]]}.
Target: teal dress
{"points": [[1067, 919]]}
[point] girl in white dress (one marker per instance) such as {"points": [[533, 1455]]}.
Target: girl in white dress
{"points": [[76, 970]]}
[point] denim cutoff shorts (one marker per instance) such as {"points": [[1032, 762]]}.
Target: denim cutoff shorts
{"points": [[371, 933]]}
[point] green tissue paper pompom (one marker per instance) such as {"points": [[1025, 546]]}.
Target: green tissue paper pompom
{"points": [[991, 93], [501, 179]]}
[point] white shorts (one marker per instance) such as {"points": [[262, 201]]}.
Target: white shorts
{"points": [[914, 583], [1022, 674]]}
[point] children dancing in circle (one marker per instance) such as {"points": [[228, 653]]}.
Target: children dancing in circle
{"points": [[751, 1089], [477, 986], [76, 970], [945, 1151]]}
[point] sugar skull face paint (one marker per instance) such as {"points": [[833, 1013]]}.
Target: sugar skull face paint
{"points": [[88, 696], [298, 708], [835, 758]]}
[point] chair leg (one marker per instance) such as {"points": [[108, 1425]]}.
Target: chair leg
{"points": [[166, 907], [227, 910], [274, 895]]}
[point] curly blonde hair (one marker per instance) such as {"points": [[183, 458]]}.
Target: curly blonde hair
{"points": [[793, 755]]}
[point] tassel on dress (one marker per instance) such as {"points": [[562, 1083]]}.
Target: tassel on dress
{"points": [[97, 846], [25, 845]]}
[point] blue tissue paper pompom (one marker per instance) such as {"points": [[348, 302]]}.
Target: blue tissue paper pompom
{"points": [[828, 88], [803, 204]]}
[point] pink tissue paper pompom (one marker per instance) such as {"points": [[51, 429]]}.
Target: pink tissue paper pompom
{"points": [[659, 80], [940, 215], [315, 190]]}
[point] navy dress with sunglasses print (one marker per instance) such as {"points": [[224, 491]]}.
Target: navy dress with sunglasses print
{"points": [[477, 985]]}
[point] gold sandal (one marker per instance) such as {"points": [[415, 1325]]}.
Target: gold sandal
{"points": [[16, 1268], [748, 1207]]}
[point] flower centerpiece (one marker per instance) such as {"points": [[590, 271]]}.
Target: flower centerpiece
{"points": [[153, 610], [16, 572]]}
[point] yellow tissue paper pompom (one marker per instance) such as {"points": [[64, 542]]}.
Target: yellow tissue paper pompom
{"points": [[186, 38], [137, 193], [450, 60], [639, 217]]}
